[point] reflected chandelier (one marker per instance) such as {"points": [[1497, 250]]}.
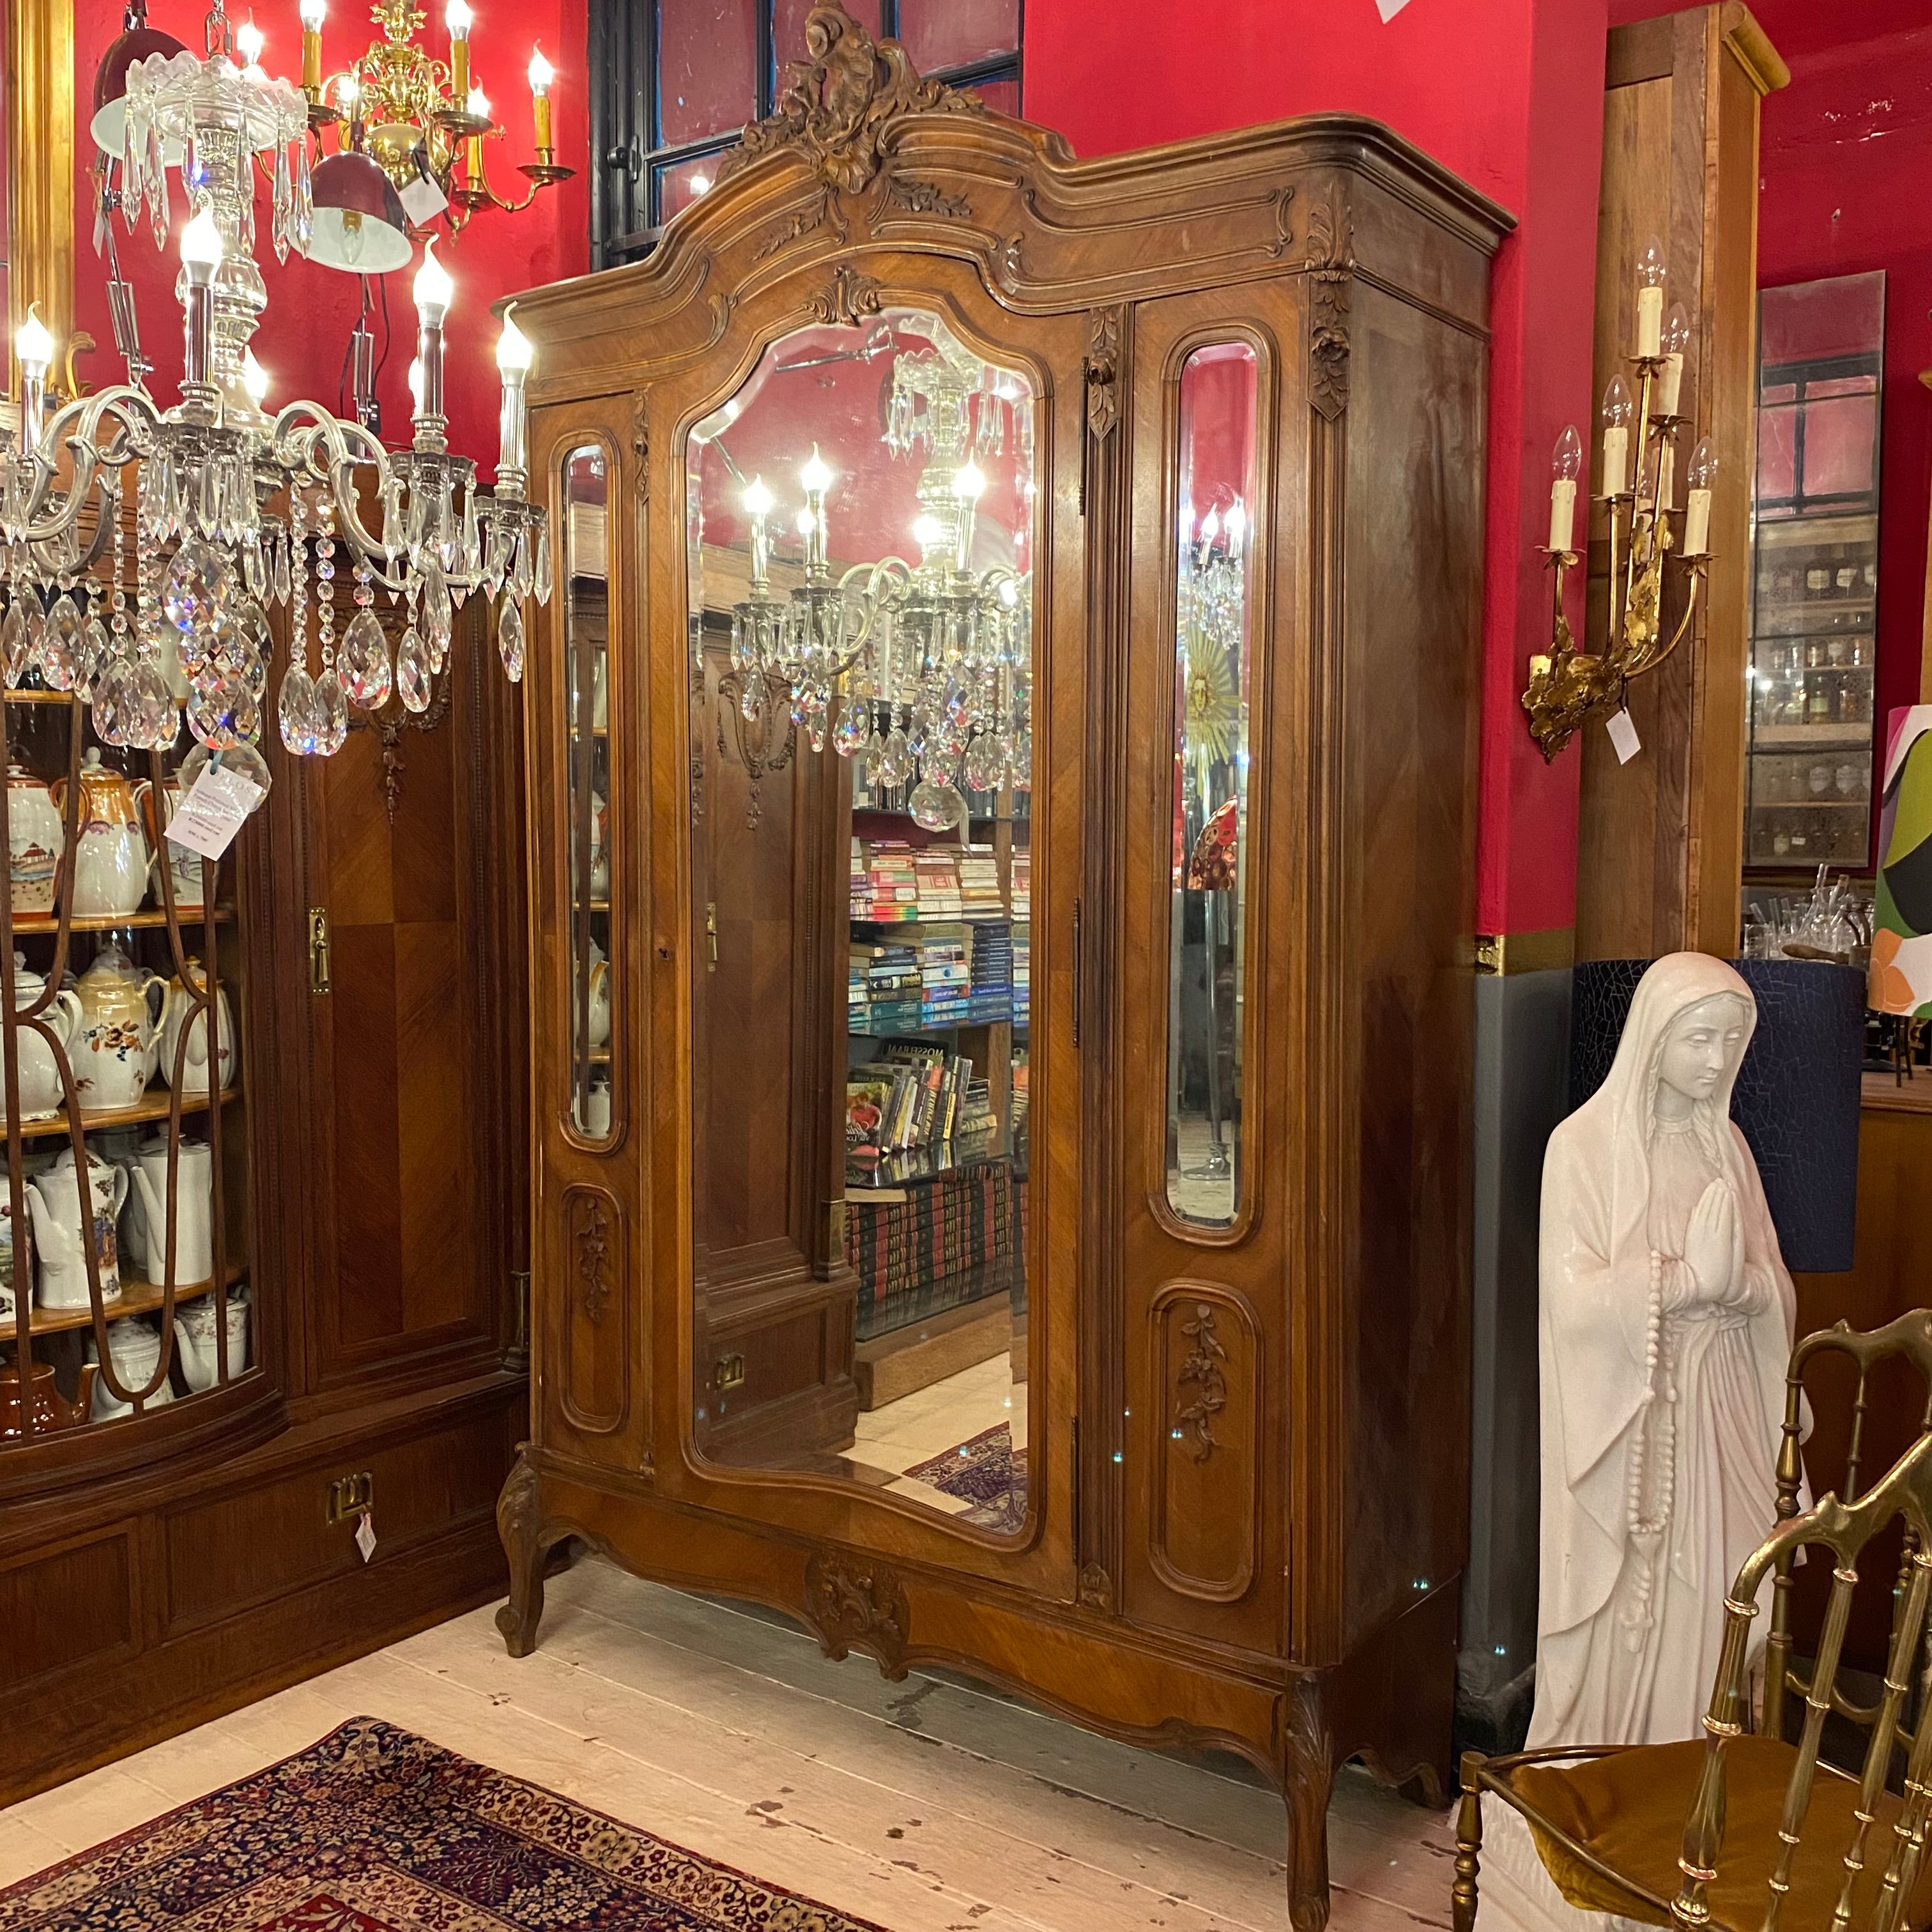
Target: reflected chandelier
{"points": [[916, 670], [234, 508]]}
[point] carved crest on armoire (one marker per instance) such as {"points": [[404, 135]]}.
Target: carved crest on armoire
{"points": [[1000, 794]]}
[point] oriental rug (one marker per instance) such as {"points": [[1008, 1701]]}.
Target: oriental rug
{"points": [[375, 1830], [986, 1470]]}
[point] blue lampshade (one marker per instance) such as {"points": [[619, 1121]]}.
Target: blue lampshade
{"points": [[1797, 1096]]}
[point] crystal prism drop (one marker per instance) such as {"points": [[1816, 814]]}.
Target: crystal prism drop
{"points": [[280, 584], [543, 578], [363, 661], [14, 642], [111, 695], [295, 711], [854, 725], [283, 203], [331, 715], [413, 677], [95, 646], [196, 579], [151, 719], [60, 645], [510, 641]]}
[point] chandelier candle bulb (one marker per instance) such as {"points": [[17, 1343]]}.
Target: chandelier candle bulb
{"points": [[312, 12], [815, 478], [757, 501], [457, 18], [34, 347], [514, 354], [968, 488], [249, 42], [432, 289], [477, 106], [1236, 526], [1210, 529], [254, 378], [1650, 276], [542, 74], [201, 255]]}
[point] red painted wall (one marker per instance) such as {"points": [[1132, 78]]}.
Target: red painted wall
{"points": [[1509, 94], [311, 309]]}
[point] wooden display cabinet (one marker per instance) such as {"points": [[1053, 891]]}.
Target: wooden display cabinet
{"points": [[1150, 486], [164, 1565]]}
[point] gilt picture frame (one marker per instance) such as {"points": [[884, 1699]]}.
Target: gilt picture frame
{"points": [[38, 114]]}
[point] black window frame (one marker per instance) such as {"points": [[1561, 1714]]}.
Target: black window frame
{"points": [[627, 159]]}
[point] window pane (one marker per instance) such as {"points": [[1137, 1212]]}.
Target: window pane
{"points": [[707, 67], [949, 33], [788, 27], [1003, 97], [681, 183]]}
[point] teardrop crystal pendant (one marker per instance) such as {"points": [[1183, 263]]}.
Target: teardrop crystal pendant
{"points": [[510, 640], [896, 761], [112, 692], [221, 712], [95, 644], [14, 642], [331, 715], [150, 718], [849, 734], [243, 758], [413, 680], [197, 579], [363, 661], [59, 654], [295, 711]]}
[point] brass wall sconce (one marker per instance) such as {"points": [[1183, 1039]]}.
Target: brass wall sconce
{"points": [[1570, 685]]}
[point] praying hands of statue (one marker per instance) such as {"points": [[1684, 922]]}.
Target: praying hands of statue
{"points": [[1714, 1251]]}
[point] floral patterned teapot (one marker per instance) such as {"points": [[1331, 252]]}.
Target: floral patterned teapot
{"points": [[114, 1056]]}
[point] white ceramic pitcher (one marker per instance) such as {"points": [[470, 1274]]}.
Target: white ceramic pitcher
{"points": [[41, 1095], [175, 1012], [194, 1198], [53, 1198]]}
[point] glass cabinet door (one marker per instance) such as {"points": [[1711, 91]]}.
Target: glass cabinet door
{"points": [[1815, 598], [123, 1211]]}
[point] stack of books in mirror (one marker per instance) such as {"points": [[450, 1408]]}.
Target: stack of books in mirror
{"points": [[1022, 942], [979, 895], [884, 987], [1022, 882], [990, 987], [885, 881]]}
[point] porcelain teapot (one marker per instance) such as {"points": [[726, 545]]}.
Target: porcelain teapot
{"points": [[194, 1342], [176, 1010], [134, 1349], [183, 864], [53, 1198], [194, 1199], [47, 1407], [600, 999], [41, 1094], [110, 858], [35, 837], [120, 1006]]}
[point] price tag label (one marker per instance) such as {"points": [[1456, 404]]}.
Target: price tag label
{"points": [[208, 819], [1623, 736], [365, 1535]]}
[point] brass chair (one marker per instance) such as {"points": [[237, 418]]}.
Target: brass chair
{"points": [[1750, 1833]]}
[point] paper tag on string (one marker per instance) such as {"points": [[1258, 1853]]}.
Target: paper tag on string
{"points": [[1623, 736], [422, 201], [208, 819], [365, 1536]]}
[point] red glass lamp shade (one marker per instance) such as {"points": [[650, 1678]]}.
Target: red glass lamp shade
{"points": [[359, 225], [109, 126]]}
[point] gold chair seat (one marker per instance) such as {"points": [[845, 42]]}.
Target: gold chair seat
{"points": [[1628, 1808]]}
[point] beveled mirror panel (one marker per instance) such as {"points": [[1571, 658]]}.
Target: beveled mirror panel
{"points": [[1207, 993], [587, 748], [860, 528]]}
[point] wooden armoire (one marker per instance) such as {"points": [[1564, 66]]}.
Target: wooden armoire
{"points": [[1045, 595]]}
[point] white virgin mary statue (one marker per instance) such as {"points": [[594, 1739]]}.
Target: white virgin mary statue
{"points": [[1666, 1329]]}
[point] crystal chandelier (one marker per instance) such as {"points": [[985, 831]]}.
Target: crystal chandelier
{"points": [[232, 509], [917, 670]]}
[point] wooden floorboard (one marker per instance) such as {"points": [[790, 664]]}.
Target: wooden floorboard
{"points": [[930, 1805]]}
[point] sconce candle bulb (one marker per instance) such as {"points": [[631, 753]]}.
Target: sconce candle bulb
{"points": [[1700, 476], [1670, 377], [542, 74], [1650, 279], [1566, 465], [1618, 410]]}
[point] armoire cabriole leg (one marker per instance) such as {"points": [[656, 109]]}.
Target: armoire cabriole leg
{"points": [[520, 1524], [1469, 1843], [1308, 1771]]}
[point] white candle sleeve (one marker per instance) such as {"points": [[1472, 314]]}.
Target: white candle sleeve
{"points": [[1649, 321], [1669, 382], [1562, 514], [1697, 524], [1616, 466]]}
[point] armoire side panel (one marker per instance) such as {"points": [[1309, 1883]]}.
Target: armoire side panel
{"points": [[1410, 665]]}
